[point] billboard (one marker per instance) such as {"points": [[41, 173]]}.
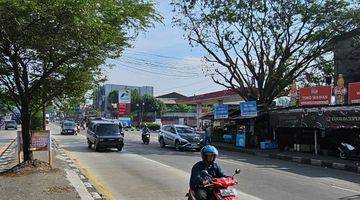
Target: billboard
{"points": [[318, 95], [354, 93], [125, 96], [221, 111]]}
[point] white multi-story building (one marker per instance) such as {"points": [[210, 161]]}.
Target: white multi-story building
{"points": [[101, 95]]}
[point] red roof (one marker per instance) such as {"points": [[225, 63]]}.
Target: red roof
{"points": [[210, 97]]}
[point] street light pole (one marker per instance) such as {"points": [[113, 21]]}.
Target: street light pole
{"points": [[142, 111], [138, 114]]}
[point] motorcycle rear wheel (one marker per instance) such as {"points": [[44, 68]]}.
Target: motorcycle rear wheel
{"points": [[343, 155]]}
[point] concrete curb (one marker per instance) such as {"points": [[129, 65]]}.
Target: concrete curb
{"points": [[89, 187], [297, 159]]}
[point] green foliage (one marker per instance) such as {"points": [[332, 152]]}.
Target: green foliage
{"points": [[153, 126], [113, 98], [145, 103], [54, 50], [180, 108], [259, 47], [36, 121]]}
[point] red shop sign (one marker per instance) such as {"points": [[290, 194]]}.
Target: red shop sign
{"points": [[319, 95], [121, 109], [354, 93]]}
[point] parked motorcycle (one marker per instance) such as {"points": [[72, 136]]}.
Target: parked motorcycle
{"points": [[220, 188], [145, 136], [348, 151]]}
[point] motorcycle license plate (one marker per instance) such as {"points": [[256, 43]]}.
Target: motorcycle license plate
{"points": [[227, 192]]}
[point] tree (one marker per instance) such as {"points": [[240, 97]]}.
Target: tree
{"points": [[145, 104], [180, 108], [257, 47], [113, 98], [41, 43]]}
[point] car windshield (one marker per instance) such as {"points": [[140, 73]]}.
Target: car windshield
{"points": [[186, 130], [69, 124], [11, 122], [107, 129]]}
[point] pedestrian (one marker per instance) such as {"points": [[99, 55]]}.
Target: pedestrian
{"points": [[120, 127], [208, 134]]}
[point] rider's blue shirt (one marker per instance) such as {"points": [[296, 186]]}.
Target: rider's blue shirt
{"points": [[196, 180]]}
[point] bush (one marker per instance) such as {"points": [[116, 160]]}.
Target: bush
{"points": [[153, 126]]}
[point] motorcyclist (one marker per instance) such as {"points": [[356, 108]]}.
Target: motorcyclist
{"points": [[145, 130], [198, 180]]}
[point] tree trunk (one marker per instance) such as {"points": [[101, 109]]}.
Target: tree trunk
{"points": [[44, 118], [25, 131]]}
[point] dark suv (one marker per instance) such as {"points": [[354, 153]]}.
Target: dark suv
{"points": [[104, 134]]}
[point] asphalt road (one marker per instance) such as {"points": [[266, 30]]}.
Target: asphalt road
{"points": [[149, 172]]}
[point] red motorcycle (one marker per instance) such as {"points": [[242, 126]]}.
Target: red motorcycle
{"points": [[220, 188]]}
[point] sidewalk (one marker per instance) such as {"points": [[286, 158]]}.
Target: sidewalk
{"points": [[304, 158], [40, 181]]}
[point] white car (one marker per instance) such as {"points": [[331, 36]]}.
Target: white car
{"points": [[180, 136]]}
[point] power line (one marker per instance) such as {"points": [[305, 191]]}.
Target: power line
{"points": [[156, 73], [158, 67], [158, 55]]}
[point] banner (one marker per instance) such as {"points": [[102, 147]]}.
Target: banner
{"points": [[318, 95], [354, 93], [322, 118], [248, 109], [125, 96], [40, 140], [221, 111]]}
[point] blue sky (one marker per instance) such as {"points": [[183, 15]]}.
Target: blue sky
{"points": [[162, 58]]}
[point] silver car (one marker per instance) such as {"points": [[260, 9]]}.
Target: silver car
{"points": [[180, 136]]}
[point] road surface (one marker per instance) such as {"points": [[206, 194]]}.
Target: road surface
{"points": [[149, 172]]}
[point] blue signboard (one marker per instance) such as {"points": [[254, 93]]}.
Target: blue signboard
{"points": [[240, 140], [221, 111], [125, 121], [248, 109]]}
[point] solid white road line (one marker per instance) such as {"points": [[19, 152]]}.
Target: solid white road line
{"points": [[346, 189]]}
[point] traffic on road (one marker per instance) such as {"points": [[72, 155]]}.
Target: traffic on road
{"points": [[149, 172]]}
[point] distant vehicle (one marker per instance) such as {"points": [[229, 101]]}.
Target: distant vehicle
{"points": [[68, 128], [11, 124], [7, 117], [180, 136], [145, 136], [104, 134]]}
